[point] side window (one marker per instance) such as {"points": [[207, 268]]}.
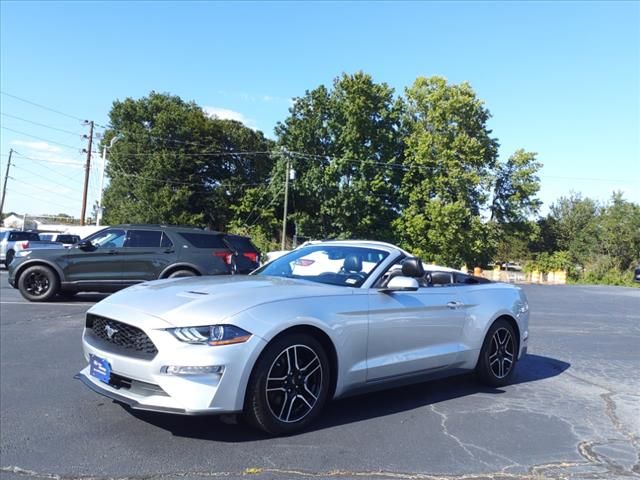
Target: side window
{"points": [[204, 240], [143, 238], [166, 241], [22, 236], [110, 238]]}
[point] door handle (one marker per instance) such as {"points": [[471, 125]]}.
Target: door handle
{"points": [[454, 305], [113, 252]]}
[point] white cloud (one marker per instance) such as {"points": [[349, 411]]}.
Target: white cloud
{"points": [[228, 114], [45, 152], [37, 146]]}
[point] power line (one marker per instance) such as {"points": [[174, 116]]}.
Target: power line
{"points": [[191, 154], [75, 134], [38, 187], [46, 167], [40, 138], [275, 197], [42, 106], [48, 201], [259, 201], [200, 184], [46, 160], [40, 176]]}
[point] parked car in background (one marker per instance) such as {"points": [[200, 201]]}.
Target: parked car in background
{"points": [[66, 239], [13, 241], [324, 321], [122, 255], [636, 276]]}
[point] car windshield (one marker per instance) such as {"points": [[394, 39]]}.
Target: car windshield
{"points": [[347, 266]]}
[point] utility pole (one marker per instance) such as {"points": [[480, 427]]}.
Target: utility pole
{"points": [[4, 187], [86, 174], [286, 201]]}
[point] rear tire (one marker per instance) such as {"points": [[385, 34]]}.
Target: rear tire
{"points": [[38, 283], [182, 273], [498, 355], [289, 385]]}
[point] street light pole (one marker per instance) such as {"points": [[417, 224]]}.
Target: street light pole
{"points": [[102, 171], [286, 202]]}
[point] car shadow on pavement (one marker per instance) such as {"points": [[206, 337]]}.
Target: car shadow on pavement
{"points": [[352, 409]]}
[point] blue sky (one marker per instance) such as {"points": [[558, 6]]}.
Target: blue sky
{"points": [[560, 79]]}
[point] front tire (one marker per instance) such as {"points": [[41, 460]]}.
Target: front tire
{"points": [[498, 355], [38, 283], [288, 386]]}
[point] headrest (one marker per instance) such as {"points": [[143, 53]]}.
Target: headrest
{"points": [[412, 267], [352, 263]]}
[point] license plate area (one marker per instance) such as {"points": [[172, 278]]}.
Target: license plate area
{"points": [[99, 368]]}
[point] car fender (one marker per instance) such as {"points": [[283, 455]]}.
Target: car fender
{"points": [[260, 347], [346, 329], [37, 261], [178, 266]]}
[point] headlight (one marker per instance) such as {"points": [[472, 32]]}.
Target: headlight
{"points": [[211, 335]]}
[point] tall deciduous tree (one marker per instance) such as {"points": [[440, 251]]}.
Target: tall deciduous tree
{"points": [[349, 137], [450, 159], [515, 206], [175, 164], [573, 221]]}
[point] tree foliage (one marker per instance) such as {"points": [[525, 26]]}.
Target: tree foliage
{"points": [[344, 142], [601, 241], [174, 164]]}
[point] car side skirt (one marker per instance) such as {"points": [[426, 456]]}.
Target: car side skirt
{"points": [[404, 380]]}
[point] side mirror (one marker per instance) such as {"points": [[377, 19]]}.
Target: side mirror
{"points": [[85, 245], [401, 284]]}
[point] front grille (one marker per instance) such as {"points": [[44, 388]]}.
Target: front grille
{"points": [[124, 339]]}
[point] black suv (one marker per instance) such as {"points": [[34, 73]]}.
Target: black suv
{"points": [[119, 256]]}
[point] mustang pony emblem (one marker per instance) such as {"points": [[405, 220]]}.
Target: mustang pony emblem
{"points": [[110, 331]]}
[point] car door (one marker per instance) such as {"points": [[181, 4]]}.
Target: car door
{"points": [[412, 332], [100, 264], [145, 255]]}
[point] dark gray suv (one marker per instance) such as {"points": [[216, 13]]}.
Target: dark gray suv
{"points": [[122, 255]]}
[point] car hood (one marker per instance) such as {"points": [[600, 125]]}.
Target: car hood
{"points": [[201, 300]]}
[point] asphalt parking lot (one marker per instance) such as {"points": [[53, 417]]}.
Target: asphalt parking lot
{"points": [[572, 412]]}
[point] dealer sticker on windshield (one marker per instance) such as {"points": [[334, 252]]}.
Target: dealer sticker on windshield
{"points": [[99, 368]]}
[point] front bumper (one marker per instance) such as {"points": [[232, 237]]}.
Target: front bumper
{"points": [[141, 383]]}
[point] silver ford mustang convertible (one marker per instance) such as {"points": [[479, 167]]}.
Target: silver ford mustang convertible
{"points": [[324, 321]]}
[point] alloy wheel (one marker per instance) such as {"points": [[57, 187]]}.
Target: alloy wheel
{"points": [[501, 353], [36, 283], [294, 383]]}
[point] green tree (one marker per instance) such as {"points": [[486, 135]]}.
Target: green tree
{"points": [[344, 142], [450, 158], [515, 205], [573, 221], [619, 228], [174, 164]]}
